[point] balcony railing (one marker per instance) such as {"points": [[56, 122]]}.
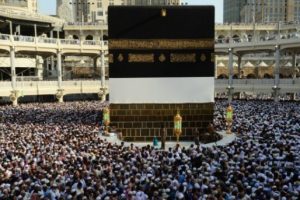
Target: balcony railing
{"points": [[69, 41], [30, 39], [22, 38], [85, 23], [47, 40], [4, 37], [219, 43]]}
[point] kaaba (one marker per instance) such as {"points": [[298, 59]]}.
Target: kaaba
{"points": [[161, 62]]}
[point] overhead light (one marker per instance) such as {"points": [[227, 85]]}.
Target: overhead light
{"points": [[163, 12]]}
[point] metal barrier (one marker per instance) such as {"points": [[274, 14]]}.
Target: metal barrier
{"points": [[93, 86]]}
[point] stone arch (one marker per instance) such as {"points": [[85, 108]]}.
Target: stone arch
{"points": [[89, 37], [263, 34], [268, 76], [283, 36], [221, 39], [105, 37], [236, 38], [222, 76], [262, 38], [249, 37], [251, 76], [235, 76], [282, 75]]}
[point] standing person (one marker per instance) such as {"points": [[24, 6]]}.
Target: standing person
{"points": [[163, 135], [197, 140]]}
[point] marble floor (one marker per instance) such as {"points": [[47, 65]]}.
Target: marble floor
{"points": [[227, 138]]}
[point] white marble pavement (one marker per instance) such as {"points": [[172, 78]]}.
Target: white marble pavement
{"points": [[227, 138]]}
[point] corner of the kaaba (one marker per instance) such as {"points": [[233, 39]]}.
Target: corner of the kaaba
{"points": [[158, 70]]}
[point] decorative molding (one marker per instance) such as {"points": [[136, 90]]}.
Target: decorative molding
{"points": [[203, 57], [162, 58], [111, 58], [120, 57]]}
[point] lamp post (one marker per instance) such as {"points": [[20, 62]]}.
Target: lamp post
{"points": [[276, 88], [106, 119], [229, 118], [230, 79], [177, 126]]}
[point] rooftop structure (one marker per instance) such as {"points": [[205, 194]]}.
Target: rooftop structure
{"points": [[261, 10], [96, 10], [30, 5]]}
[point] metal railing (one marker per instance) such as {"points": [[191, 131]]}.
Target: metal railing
{"points": [[4, 37], [30, 39], [70, 41], [218, 82], [85, 23], [93, 86], [219, 43], [91, 42], [22, 38], [47, 40]]}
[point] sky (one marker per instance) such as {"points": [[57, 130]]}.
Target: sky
{"points": [[48, 6]]}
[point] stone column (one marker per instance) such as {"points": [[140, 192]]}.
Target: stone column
{"points": [[294, 62], [103, 84], [59, 94], [51, 59], [254, 39], [276, 74], [39, 67], [10, 28], [57, 32], [95, 67], [35, 30], [13, 68], [59, 69], [216, 67], [14, 93], [230, 75], [239, 65]]}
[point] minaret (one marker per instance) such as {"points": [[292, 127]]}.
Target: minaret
{"points": [[64, 10]]}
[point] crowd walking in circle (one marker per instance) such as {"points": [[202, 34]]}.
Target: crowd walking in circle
{"points": [[53, 151]]}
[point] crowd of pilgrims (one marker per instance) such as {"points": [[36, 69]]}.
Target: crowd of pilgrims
{"points": [[53, 151]]}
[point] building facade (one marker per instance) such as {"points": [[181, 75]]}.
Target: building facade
{"points": [[249, 11], [91, 11], [232, 9], [271, 11], [64, 10], [151, 2], [31, 5]]}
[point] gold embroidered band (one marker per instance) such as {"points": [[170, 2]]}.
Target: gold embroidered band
{"points": [[160, 43], [148, 58], [176, 57]]}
